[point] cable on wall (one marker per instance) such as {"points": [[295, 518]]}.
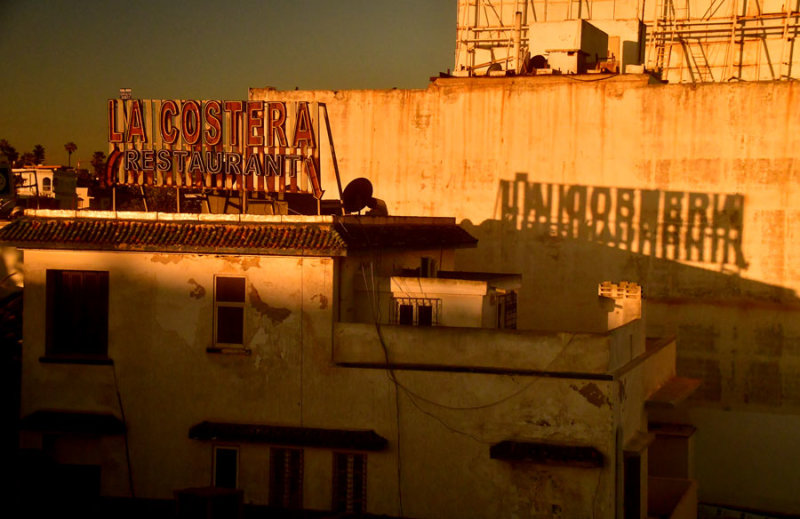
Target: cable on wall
{"points": [[125, 432]]}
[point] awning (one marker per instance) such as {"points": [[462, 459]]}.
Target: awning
{"points": [[547, 454], [639, 442], [282, 435], [73, 422], [673, 392]]}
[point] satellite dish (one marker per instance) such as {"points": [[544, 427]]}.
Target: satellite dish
{"points": [[538, 61], [494, 67], [356, 195]]}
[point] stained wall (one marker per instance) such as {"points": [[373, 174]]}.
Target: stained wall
{"points": [[691, 191]]}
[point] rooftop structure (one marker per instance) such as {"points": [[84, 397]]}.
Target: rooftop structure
{"points": [[679, 40]]}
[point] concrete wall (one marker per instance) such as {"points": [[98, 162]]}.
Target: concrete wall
{"points": [[690, 191], [160, 324]]}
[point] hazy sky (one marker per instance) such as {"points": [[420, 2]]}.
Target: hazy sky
{"points": [[62, 59]]}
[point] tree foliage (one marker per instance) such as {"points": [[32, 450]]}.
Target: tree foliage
{"points": [[71, 147], [98, 164], [9, 151], [27, 159], [38, 154]]}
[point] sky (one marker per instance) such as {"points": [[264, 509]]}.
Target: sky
{"points": [[62, 59]]}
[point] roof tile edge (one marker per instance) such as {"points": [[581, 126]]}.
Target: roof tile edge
{"points": [[390, 220], [177, 217]]}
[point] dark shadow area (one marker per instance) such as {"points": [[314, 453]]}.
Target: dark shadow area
{"points": [[683, 248]]}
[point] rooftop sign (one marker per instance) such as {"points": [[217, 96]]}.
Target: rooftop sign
{"points": [[268, 146]]}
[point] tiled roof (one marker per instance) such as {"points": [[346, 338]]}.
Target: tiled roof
{"points": [[174, 236], [232, 234], [402, 233]]}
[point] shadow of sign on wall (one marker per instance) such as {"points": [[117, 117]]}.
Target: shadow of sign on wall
{"points": [[672, 225]]}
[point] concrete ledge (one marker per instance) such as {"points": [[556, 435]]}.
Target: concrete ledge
{"points": [[470, 349]]}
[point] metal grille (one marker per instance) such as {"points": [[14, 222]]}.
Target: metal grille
{"points": [[416, 311], [507, 311], [349, 483]]}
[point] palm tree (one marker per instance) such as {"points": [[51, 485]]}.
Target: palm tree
{"points": [[70, 147], [38, 154]]}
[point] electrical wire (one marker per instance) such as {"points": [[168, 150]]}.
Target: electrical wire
{"points": [[124, 433], [375, 307], [416, 396], [12, 274], [571, 76]]}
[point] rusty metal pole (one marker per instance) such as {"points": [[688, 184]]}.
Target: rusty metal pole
{"points": [[517, 39]]}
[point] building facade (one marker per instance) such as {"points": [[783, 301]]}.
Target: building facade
{"points": [[334, 365], [690, 191]]}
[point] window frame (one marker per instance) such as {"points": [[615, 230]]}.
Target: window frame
{"points": [[228, 304], [281, 478], [348, 503], [90, 328], [214, 464], [506, 310]]}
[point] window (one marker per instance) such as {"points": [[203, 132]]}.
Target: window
{"points": [[77, 313], [229, 310], [507, 310], [419, 311], [46, 184], [226, 467], [349, 483], [286, 478]]}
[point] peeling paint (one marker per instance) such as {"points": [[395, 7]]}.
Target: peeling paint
{"points": [[198, 292], [246, 263], [540, 422], [323, 300], [592, 394], [276, 315], [166, 259]]}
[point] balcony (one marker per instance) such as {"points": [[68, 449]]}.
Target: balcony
{"points": [[480, 349]]}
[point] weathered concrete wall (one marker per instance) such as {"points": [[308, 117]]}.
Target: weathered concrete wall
{"points": [[160, 324], [469, 348], [690, 191]]}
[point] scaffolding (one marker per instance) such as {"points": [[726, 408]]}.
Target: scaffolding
{"points": [[692, 42], [492, 35], [686, 41]]}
